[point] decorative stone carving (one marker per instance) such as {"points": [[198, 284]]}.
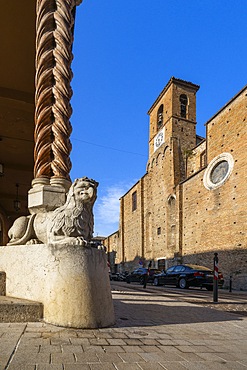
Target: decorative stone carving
{"points": [[54, 40], [61, 128], [71, 223], [44, 84]]}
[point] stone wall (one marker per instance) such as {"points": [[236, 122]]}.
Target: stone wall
{"points": [[195, 159], [216, 218], [132, 215], [158, 186], [232, 263], [226, 131], [114, 250], [184, 212]]}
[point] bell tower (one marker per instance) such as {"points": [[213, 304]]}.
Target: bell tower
{"points": [[172, 136], [173, 116]]}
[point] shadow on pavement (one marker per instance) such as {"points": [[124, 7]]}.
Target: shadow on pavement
{"points": [[143, 311]]}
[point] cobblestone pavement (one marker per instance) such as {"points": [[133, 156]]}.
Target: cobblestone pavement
{"points": [[237, 308], [153, 331], [234, 302]]}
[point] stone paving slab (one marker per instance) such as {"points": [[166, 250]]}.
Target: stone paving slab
{"points": [[151, 332]]}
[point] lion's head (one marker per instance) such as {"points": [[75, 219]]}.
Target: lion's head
{"points": [[83, 190], [75, 217]]}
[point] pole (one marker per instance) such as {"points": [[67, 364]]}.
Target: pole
{"points": [[230, 285], [216, 274], [146, 276]]}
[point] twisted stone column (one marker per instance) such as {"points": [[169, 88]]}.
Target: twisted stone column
{"points": [[55, 22], [62, 91], [44, 82]]}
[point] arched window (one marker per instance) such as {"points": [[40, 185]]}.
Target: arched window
{"points": [[171, 222], [134, 201], [183, 105], [160, 116]]}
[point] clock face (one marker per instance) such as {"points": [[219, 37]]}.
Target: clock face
{"points": [[159, 139]]}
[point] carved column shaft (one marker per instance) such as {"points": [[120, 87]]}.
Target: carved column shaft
{"points": [[54, 39], [62, 91], [44, 82]]}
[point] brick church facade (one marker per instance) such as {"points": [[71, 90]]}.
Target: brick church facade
{"points": [[192, 200]]}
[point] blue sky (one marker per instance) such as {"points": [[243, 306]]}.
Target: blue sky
{"points": [[125, 51]]}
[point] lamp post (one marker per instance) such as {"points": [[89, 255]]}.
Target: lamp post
{"points": [[17, 202], [216, 275], [1, 169]]}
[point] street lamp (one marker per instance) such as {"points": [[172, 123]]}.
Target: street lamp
{"points": [[17, 202]]}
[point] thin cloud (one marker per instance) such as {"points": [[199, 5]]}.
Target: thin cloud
{"points": [[107, 207]]}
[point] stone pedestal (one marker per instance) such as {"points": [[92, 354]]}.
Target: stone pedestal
{"points": [[44, 198], [71, 281]]}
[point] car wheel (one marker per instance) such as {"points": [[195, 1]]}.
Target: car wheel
{"points": [[210, 288], [182, 283], [156, 281]]}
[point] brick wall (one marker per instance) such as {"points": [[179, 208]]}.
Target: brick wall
{"points": [[195, 160], [178, 217], [131, 223], [215, 220]]}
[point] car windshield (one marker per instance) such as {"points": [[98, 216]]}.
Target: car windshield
{"points": [[170, 269], [143, 270]]}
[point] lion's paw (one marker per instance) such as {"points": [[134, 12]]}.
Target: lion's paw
{"points": [[81, 241], [33, 241]]}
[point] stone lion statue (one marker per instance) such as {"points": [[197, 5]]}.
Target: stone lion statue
{"points": [[71, 223]]}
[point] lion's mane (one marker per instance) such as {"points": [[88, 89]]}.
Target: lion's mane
{"points": [[75, 218]]}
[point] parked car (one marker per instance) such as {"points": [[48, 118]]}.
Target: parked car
{"points": [[138, 275], [184, 276], [117, 276]]}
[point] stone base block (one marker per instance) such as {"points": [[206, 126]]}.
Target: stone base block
{"points": [[2, 283], [44, 198], [70, 281], [20, 310]]}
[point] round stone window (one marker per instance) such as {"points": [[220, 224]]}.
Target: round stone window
{"points": [[218, 171]]}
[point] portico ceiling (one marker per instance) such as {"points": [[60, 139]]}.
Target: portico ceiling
{"points": [[17, 71]]}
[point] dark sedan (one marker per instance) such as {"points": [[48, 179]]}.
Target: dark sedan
{"points": [[184, 276], [139, 274]]}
